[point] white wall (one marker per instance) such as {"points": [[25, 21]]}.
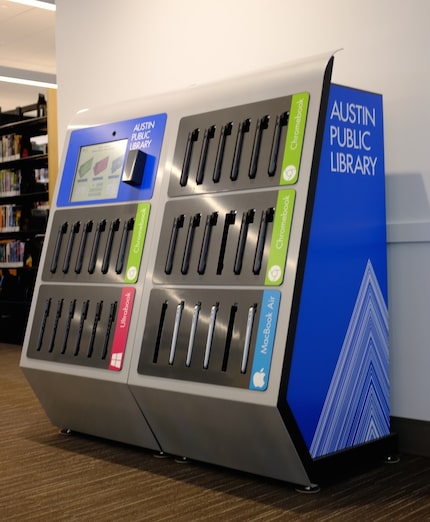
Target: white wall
{"points": [[109, 51]]}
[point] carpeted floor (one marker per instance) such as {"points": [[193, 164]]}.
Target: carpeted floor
{"points": [[46, 476]]}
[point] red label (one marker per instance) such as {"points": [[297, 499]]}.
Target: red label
{"points": [[121, 329]]}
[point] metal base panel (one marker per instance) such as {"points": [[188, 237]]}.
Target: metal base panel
{"points": [[95, 407], [247, 437]]}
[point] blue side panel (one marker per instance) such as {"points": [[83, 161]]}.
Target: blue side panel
{"points": [[144, 134], [338, 386]]}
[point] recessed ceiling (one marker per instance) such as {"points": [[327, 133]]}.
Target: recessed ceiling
{"points": [[27, 41]]}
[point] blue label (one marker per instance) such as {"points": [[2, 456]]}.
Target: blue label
{"points": [[92, 162], [265, 340]]}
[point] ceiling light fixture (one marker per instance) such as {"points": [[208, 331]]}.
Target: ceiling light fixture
{"points": [[42, 4], [23, 77]]}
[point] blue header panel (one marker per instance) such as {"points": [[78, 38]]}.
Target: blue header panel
{"points": [[97, 156], [338, 384]]}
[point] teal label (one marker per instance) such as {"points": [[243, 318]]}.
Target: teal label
{"points": [[265, 340], [280, 237], [294, 139], [137, 242]]}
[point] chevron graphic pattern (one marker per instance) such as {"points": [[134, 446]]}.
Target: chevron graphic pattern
{"points": [[356, 409]]}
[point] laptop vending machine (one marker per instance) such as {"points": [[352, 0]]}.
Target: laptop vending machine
{"points": [[213, 283]]}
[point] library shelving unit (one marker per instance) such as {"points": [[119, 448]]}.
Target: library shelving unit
{"points": [[23, 211]]}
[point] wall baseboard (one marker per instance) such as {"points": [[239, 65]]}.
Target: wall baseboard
{"points": [[413, 435]]}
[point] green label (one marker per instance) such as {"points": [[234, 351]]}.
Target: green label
{"points": [[294, 139], [137, 242], [280, 237]]}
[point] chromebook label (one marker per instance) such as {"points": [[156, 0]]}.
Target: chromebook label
{"points": [[294, 139], [137, 242], [280, 237]]}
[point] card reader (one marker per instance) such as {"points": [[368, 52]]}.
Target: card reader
{"points": [[134, 167]]}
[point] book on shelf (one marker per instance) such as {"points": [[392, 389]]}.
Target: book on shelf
{"points": [[10, 217], [11, 148], [12, 252], [41, 175], [10, 182]]}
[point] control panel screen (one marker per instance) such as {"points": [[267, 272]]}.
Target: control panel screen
{"points": [[98, 171]]}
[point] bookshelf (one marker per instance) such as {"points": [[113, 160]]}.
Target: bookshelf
{"points": [[24, 207]]}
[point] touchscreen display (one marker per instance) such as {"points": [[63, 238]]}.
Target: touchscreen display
{"points": [[98, 171]]}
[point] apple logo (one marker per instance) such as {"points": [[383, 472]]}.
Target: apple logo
{"points": [[258, 379]]}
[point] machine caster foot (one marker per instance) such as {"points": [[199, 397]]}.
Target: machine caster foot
{"points": [[181, 460], [161, 455], [308, 490], [391, 459], [65, 431]]}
